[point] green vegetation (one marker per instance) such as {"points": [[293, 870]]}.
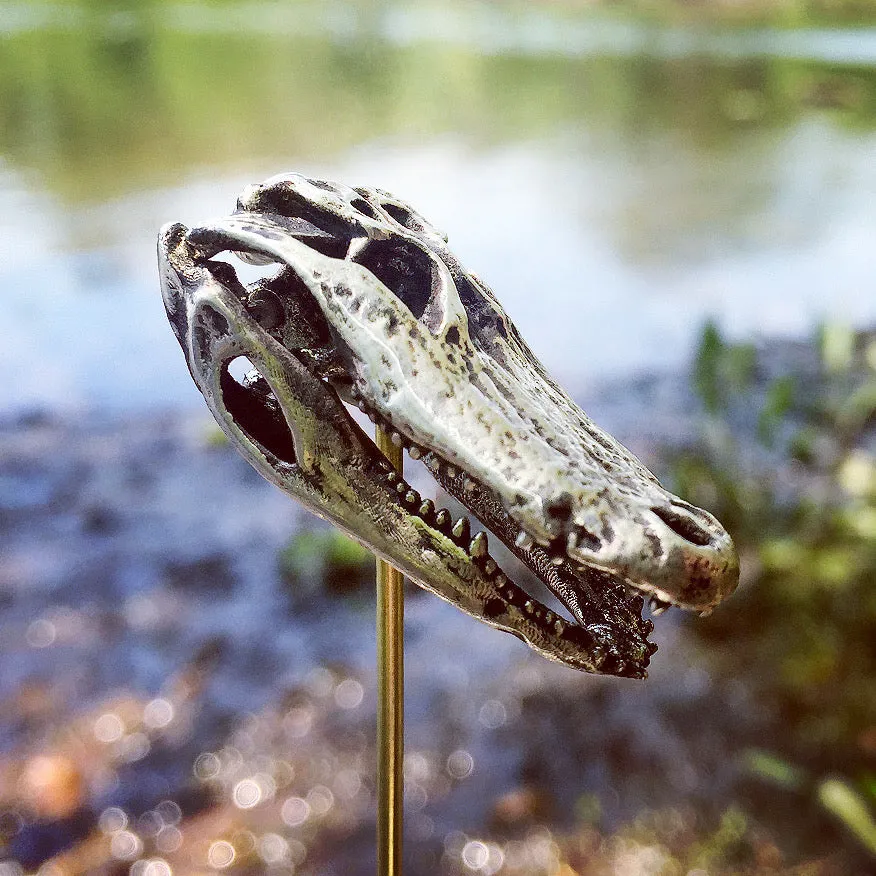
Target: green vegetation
{"points": [[101, 102], [328, 560], [787, 462]]}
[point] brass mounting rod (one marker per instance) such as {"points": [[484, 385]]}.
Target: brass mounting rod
{"points": [[390, 699]]}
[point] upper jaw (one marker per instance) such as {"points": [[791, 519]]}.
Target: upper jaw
{"points": [[489, 409], [362, 495]]}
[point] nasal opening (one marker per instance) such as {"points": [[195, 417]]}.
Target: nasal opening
{"points": [[683, 525]]}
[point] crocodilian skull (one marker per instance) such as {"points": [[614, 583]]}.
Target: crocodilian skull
{"points": [[369, 307]]}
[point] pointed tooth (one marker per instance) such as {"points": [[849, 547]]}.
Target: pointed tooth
{"points": [[392, 476], [529, 606], [559, 626], [427, 509], [490, 566], [479, 546], [598, 656], [469, 486], [462, 529], [450, 472], [396, 439], [524, 540], [412, 497], [658, 607], [363, 407], [414, 452], [401, 487], [442, 519], [501, 579], [252, 258]]}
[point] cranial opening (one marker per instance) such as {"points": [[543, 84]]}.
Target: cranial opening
{"points": [[252, 405], [404, 269]]}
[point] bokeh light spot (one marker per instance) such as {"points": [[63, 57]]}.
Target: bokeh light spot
{"points": [[295, 811], [221, 854], [158, 713], [460, 764], [112, 819], [349, 693], [41, 633], [109, 728], [207, 766], [126, 845]]}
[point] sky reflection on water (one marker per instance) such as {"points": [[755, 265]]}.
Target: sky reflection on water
{"points": [[615, 184], [609, 262]]}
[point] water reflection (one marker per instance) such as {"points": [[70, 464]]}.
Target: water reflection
{"points": [[638, 195]]}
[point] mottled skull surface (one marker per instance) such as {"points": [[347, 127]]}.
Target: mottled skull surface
{"points": [[369, 307]]}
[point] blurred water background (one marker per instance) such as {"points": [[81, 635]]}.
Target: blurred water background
{"points": [[622, 175]]}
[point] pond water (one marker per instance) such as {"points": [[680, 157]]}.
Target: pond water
{"points": [[616, 184]]}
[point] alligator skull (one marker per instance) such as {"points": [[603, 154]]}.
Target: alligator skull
{"points": [[369, 307]]}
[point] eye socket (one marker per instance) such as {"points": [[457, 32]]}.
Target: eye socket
{"points": [[403, 217], [404, 269], [363, 206], [252, 405]]}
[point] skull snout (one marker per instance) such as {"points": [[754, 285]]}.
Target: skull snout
{"points": [[700, 564]]}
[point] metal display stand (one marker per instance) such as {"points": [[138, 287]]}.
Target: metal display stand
{"points": [[390, 699]]}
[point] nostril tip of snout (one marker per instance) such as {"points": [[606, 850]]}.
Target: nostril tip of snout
{"points": [[560, 507], [684, 525]]}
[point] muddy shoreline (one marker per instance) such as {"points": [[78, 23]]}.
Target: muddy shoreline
{"points": [[140, 577]]}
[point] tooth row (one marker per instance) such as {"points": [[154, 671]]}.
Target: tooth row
{"points": [[460, 531], [396, 437], [478, 547]]}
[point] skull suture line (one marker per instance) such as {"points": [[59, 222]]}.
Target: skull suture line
{"points": [[369, 307]]}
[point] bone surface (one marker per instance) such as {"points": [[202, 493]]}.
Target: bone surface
{"points": [[369, 307]]}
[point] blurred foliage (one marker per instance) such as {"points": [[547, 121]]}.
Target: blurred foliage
{"points": [[787, 462], [326, 559], [103, 99], [778, 13]]}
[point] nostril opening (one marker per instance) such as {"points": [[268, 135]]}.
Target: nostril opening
{"points": [[560, 507], [684, 526]]}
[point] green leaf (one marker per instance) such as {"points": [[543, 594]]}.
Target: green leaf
{"points": [[844, 802], [706, 374], [779, 400]]}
